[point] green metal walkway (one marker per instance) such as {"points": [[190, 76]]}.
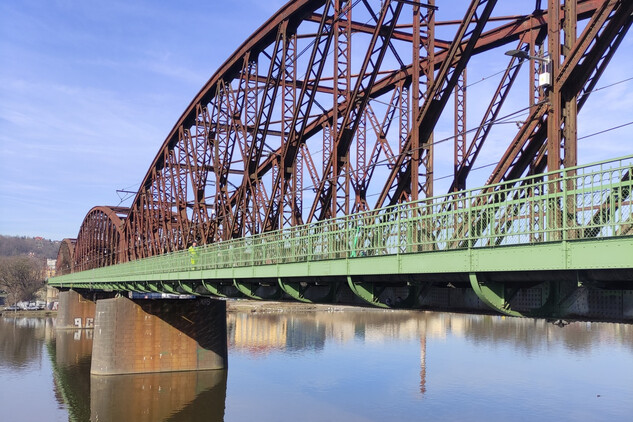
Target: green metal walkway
{"points": [[573, 226]]}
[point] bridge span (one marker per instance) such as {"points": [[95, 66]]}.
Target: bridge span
{"points": [[525, 248], [305, 169]]}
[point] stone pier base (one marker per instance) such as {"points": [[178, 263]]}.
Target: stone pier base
{"points": [[74, 311], [145, 336]]}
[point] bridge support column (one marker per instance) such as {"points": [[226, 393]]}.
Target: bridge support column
{"points": [[145, 336], [74, 311]]}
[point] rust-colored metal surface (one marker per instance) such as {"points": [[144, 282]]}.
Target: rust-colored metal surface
{"points": [[330, 108], [65, 257], [99, 242]]}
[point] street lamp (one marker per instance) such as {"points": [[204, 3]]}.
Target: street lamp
{"points": [[545, 77]]}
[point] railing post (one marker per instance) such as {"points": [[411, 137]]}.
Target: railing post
{"points": [[564, 225]]}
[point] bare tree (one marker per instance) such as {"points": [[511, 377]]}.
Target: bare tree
{"points": [[20, 277]]}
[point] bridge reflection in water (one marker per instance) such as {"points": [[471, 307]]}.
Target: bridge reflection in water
{"points": [[258, 335], [175, 396]]}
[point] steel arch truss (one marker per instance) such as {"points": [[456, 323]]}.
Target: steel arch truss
{"points": [[100, 241], [330, 108], [65, 257]]}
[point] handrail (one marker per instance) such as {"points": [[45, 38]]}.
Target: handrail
{"points": [[581, 202]]}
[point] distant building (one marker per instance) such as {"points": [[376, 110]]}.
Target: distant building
{"points": [[50, 268]]}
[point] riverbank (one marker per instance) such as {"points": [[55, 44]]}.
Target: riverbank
{"points": [[253, 306], [29, 314], [237, 305]]}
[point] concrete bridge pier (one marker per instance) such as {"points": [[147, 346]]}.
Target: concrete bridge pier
{"points": [[145, 336], [75, 310]]}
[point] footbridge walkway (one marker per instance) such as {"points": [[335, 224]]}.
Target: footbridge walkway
{"points": [[556, 244]]}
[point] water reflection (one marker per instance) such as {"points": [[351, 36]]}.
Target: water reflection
{"points": [[178, 396], [21, 340], [70, 351], [174, 396], [259, 334], [373, 365], [402, 364]]}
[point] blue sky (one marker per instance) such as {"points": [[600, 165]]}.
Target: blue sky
{"points": [[90, 89]]}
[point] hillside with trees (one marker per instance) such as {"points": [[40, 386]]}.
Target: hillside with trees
{"points": [[23, 264], [21, 277], [33, 246]]}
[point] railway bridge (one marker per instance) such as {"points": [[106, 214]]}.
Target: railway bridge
{"points": [[305, 169]]}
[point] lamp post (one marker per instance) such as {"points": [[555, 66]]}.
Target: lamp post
{"points": [[554, 225], [544, 78]]}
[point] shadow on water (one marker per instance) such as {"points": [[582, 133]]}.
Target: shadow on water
{"points": [[174, 396]]}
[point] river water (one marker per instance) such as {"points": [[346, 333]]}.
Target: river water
{"points": [[338, 365]]}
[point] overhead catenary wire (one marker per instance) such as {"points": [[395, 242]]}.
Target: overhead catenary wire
{"points": [[502, 120]]}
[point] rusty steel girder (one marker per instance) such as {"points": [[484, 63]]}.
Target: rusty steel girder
{"points": [[65, 257], [360, 86], [100, 241]]}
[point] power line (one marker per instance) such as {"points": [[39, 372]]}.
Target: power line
{"points": [[606, 130], [582, 137]]}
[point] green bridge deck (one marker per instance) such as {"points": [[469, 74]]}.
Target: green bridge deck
{"points": [[574, 225]]}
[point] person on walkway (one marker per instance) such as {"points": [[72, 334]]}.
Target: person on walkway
{"points": [[193, 254]]}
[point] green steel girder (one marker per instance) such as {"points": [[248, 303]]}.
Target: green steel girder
{"points": [[141, 287], [215, 290], [188, 288], [492, 294], [370, 292], [577, 255], [294, 290], [249, 289], [497, 296], [297, 291], [154, 287], [169, 288]]}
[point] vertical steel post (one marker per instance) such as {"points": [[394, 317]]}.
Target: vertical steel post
{"points": [[289, 211], [427, 160], [554, 119], [570, 117], [460, 130], [415, 101], [554, 112], [570, 112]]}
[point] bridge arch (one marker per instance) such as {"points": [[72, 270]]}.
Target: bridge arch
{"points": [[290, 129], [65, 257], [100, 241]]}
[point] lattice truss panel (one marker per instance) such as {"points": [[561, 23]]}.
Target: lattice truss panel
{"points": [[99, 242]]}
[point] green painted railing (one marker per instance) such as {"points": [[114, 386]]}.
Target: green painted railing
{"points": [[584, 202]]}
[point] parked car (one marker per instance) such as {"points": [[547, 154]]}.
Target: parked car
{"points": [[12, 308]]}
